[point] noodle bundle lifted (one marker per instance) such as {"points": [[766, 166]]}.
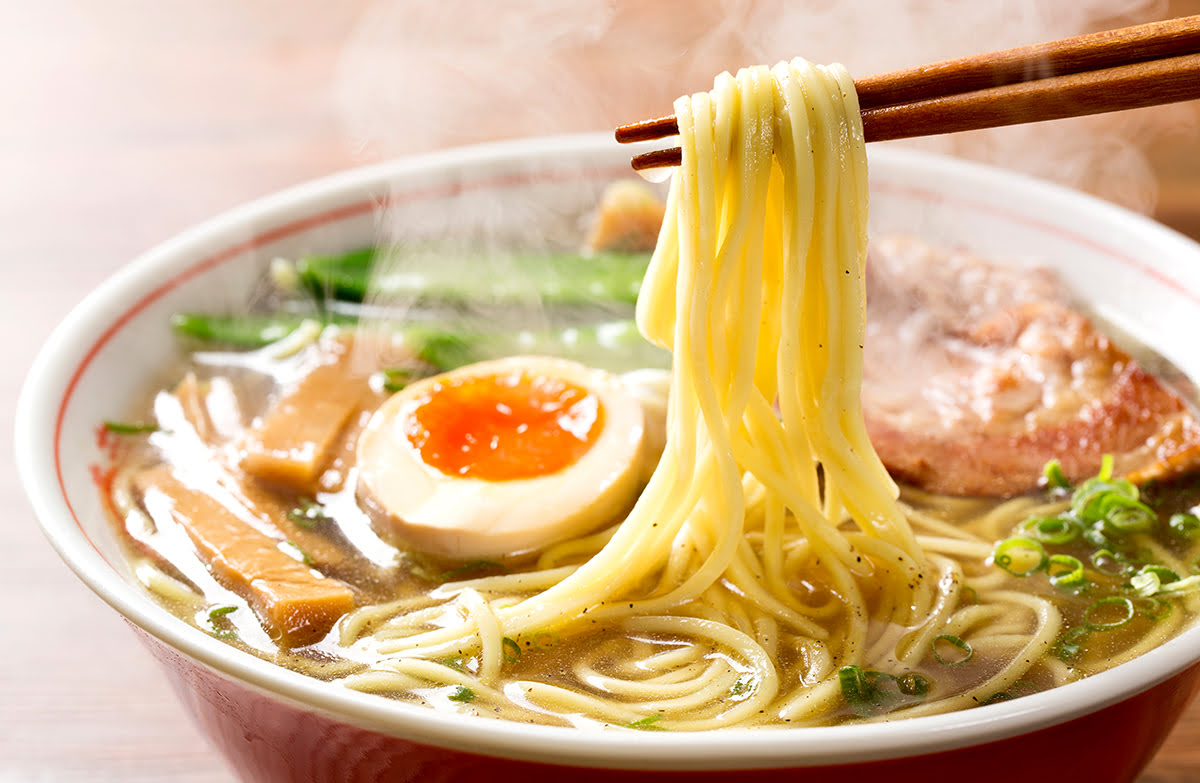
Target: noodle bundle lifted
{"points": [[494, 525]]}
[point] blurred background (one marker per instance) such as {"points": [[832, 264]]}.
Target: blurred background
{"points": [[126, 121]]}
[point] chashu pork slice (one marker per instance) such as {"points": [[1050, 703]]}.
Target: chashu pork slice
{"points": [[977, 374]]}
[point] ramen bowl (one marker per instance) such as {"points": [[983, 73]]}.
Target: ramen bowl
{"points": [[275, 724]]}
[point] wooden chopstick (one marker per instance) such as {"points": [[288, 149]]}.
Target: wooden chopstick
{"points": [[1134, 67]]}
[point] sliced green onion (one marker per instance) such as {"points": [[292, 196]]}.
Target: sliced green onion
{"points": [[545, 640], [1185, 525], [913, 684], [130, 427], [1145, 584], [1065, 571], [512, 650], [742, 687], [1019, 556], [462, 693], [648, 723], [293, 550], [856, 691], [1182, 586], [454, 662], [221, 611], [1092, 618], [1128, 516], [970, 594], [1070, 644], [1106, 467], [308, 514], [1165, 575], [396, 378], [1155, 608], [948, 639], [1110, 563], [1054, 477], [1054, 531]]}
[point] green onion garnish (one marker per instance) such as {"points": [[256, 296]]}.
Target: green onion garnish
{"points": [[913, 684], [1155, 608], [648, 723], [462, 693], [1054, 531], [870, 693], [130, 427], [1185, 525], [964, 650], [1065, 571], [1096, 618], [221, 611], [545, 640], [512, 650], [454, 662], [1110, 563], [308, 514], [396, 378], [1053, 476], [293, 549], [1070, 644], [1019, 556]]}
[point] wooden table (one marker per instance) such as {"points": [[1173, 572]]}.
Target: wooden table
{"points": [[123, 123]]}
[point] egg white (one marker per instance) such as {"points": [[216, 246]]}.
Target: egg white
{"points": [[467, 518]]}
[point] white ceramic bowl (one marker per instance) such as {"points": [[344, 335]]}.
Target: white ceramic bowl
{"points": [[276, 724]]}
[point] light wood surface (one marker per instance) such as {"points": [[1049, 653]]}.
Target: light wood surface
{"points": [[124, 122]]}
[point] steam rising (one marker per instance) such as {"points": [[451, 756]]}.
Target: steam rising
{"points": [[426, 74]]}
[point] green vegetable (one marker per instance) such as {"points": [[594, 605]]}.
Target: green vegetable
{"points": [[221, 611], [1070, 644], [452, 277], [648, 723], [1065, 571], [308, 514], [240, 331], [1054, 477], [130, 427], [1054, 531], [615, 345], [1019, 556], [964, 654], [512, 650], [869, 693], [463, 693], [1185, 525], [1095, 618]]}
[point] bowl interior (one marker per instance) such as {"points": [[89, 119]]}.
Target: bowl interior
{"points": [[117, 346]]}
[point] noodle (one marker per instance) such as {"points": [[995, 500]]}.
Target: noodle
{"points": [[770, 552]]}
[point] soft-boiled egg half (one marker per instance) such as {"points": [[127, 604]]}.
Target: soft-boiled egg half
{"points": [[501, 458]]}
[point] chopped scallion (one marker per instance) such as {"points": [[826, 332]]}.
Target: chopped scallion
{"points": [[944, 643], [130, 427], [1185, 525], [1065, 571], [1054, 531], [1019, 556], [648, 723], [1070, 644], [1054, 477], [512, 650], [463, 694], [1108, 613]]}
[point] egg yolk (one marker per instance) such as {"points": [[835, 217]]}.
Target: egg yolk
{"points": [[504, 427]]}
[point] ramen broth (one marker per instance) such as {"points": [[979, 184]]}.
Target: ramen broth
{"points": [[199, 430]]}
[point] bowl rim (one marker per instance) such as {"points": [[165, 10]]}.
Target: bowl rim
{"points": [[58, 365]]}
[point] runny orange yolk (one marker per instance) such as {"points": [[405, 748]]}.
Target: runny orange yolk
{"points": [[504, 427]]}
